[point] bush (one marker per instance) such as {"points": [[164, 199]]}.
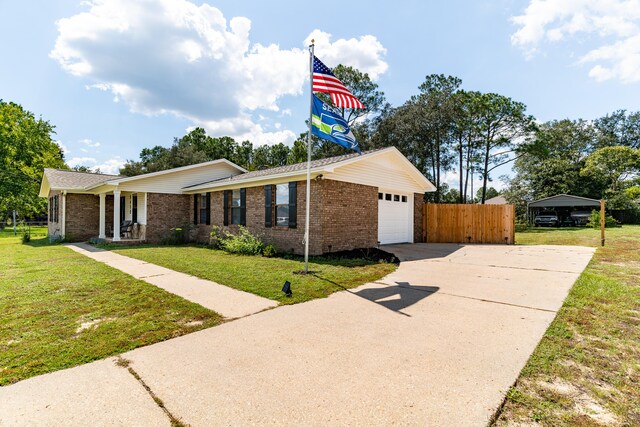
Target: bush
{"points": [[26, 238], [178, 236], [594, 220], [243, 243], [269, 251]]}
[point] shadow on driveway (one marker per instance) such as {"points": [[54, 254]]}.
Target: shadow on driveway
{"points": [[397, 297]]}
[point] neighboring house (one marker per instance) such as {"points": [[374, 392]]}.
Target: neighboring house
{"points": [[498, 200], [357, 201]]}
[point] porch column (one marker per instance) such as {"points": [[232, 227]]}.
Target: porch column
{"points": [[103, 208], [116, 215], [63, 216], [142, 208]]}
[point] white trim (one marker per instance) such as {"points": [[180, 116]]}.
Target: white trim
{"points": [[165, 172]]}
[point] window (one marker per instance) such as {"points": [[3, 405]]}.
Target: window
{"points": [[282, 205], [380, 196], [236, 207], [404, 199], [396, 198], [134, 208], [203, 209], [387, 197]]}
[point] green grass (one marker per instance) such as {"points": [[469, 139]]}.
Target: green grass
{"points": [[586, 369], [48, 291], [263, 276]]}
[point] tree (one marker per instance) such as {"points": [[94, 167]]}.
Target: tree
{"points": [[503, 127], [553, 167], [615, 164], [26, 148], [618, 128]]}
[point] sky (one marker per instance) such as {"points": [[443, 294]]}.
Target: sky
{"points": [[116, 76]]}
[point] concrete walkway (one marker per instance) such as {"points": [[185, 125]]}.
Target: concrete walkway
{"points": [[228, 302], [438, 342]]}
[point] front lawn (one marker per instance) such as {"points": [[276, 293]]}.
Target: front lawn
{"points": [[263, 276], [586, 369], [60, 309]]}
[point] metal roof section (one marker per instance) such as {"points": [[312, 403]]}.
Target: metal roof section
{"points": [[563, 200]]}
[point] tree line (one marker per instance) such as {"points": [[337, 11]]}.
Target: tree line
{"points": [[443, 128]]}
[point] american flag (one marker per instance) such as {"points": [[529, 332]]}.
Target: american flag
{"points": [[325, 81]]}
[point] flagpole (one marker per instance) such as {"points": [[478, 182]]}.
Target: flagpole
{"points": [[307, 207]]}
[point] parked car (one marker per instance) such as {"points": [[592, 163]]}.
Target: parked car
{"points": [[548, 219], [580, 217]]}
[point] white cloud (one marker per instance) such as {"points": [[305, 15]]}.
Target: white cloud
{"points": [[366, 53], [81, 161], [110, 166], [175, 57], [90, 143], [64, 148], [614, 25]]}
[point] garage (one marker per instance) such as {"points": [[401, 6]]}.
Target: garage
{"points": [[395, 217]]}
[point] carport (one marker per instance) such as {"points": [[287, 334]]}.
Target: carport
{"points": [[562, 204]]}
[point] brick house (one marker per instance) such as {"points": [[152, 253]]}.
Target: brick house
{"points": [[356, 201]]}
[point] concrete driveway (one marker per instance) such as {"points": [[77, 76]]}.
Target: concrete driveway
{"points": [[438, 342]]}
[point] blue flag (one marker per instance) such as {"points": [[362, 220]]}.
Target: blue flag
{"points": [[327, 123]]}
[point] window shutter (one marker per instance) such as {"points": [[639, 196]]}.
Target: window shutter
{"points": [[293, 205], [243, 206], [225, 205], [208, 208], [195, 209], [267, 205]]}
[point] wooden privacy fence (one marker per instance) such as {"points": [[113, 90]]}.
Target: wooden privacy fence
{"points": [[449, 223]]}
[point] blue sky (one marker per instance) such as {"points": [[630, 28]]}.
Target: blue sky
{"points": [[116, 76]]}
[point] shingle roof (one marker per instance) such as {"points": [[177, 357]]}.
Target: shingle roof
{"points": [[286, 168], [75, 180]]}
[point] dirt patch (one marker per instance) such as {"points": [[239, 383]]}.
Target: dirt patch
{"points": [[584, 403], [91, 324]]}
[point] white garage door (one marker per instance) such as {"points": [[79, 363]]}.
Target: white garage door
{"points": [[394, 217]]}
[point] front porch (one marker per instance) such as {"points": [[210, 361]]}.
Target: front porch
{"points": [[128, 216]]}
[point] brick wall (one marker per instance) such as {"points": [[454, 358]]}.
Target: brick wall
{"points": [[349, 216], [418, 206], [343, 216], [82, 216], [166, 211]]}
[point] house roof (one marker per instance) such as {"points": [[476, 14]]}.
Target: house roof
{"points": [[284, 169], [326, 165], [498, 200], [58, 179], [563, 200], [121, 179]]}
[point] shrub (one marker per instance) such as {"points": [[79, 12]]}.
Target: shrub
{"points": [[215, 237], [243, 243], [178, 235], [594, 220], [26, 237], [269, 251]]}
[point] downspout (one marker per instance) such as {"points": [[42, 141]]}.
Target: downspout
{"points": [[63, 225]]}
